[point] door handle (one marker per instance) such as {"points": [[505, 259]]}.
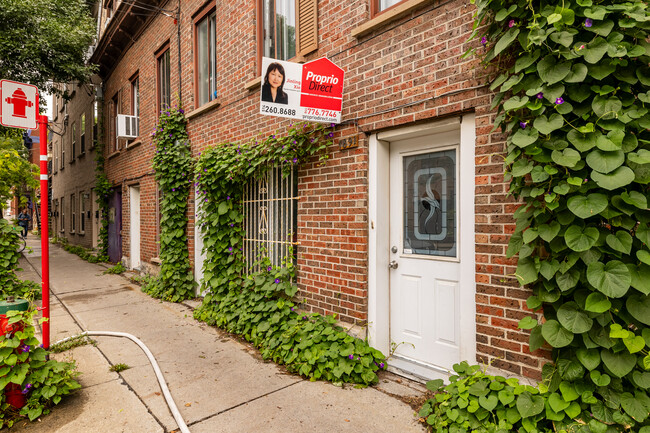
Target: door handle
{"points": [[393, 264]]}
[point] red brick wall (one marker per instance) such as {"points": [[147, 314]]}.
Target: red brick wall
{"points": [[406, 71]]}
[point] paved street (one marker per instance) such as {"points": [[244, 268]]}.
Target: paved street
{"points": [[218, 383]]}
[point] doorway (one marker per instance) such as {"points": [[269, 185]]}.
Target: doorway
{"points": [[134, 235], [115, 226], [421, 253]]}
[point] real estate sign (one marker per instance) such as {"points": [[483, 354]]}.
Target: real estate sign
{"points": [[312, 91]]}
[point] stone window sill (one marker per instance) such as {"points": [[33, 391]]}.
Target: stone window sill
{"points": [[204, 109], [156, 261], [387, 17], [114, 154], [253, 84], [135, 143]]}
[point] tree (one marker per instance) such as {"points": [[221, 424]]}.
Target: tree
{"points": [[45, 41], [15, 170]]}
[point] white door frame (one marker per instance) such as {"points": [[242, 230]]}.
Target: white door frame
{"points": [[199, 256], [134, 218], [379, 224]]}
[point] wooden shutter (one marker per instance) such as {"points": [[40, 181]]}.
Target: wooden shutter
{"points": [[307, 39]]}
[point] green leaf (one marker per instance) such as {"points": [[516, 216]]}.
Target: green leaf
{"points": [[553, 18], [619, 364], [526, 60], [587, 206], [612, 279], [642, 380], [525, 137], [567, 280], [582, 142], [506, 40], [506, 397], [634, 344], [555, 334], [640, 277], [546, 126], [223, 208], [568, 157], [597, 303], [605, 162], [621, 241], [633, 407], [578, 73], [599, 379], [527, 271], [637, 199], [643, 256], [563, 38], [489, 402], [594, 50], [552, 72], [620, 177], [606, 107], [529, 405], [527, 323], [642, 156], [557, 403], [639, 307], [590, 358], [602, 28], [581, 240], [573, 318], [515, 103]]}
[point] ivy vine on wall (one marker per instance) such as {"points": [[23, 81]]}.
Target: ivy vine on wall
{"points": [[572, 90], [172, 163], [260, 306]]}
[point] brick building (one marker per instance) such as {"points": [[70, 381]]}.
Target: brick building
{"points": [[407, 231]]}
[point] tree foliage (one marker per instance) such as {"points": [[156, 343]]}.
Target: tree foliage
{"points": [[45, 41], [15, 169]]}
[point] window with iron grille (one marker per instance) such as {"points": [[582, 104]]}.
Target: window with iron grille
{"points": [[270, 218]]}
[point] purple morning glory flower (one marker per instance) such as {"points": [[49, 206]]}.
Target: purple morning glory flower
{"points": [[277, 281], [511, 23], [26, 348], [350, 356], [381, 365], [27, 388], [540, 95], [330, 135], [589, 22], [295, 160], [304, 317], [291, 308], [559, 101], [173, 189], [232, 224], [181, 111], [227, 197], [523, 124], [229, 248], [483, 40], [270, 268]]}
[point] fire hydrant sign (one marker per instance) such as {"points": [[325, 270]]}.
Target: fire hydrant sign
{"points": [[18, 106], [312, 91]]}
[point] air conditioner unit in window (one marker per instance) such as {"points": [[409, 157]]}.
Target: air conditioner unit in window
{"points": [[127, 126]]}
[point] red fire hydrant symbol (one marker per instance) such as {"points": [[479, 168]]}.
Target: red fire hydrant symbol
{"points": [[20, 103]]}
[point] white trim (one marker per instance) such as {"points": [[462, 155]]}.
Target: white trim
{"points": [[199, 256], [379, 230], [134, 235]]}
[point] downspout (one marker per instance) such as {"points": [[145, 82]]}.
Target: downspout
{"points": [[180, 79]]}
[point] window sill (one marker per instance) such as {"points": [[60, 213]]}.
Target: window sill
{"points": [[71, 232], [81, 233], [204, 109], [388, 16], [114, 154], [135, 143], [156, 261], [253, 84]]}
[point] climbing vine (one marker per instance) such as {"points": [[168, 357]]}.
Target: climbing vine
{"points": [[103, 192], [172, 163], [260, 306], [572, 90]]}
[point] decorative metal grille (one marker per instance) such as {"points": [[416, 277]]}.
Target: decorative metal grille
{"points": [[270, 218]]}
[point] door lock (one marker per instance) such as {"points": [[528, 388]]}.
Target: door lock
{"points": [[393, 264], [393, 249]]}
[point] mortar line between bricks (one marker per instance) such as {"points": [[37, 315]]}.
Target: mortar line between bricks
{"points": [[243, 403], [78, 323]]}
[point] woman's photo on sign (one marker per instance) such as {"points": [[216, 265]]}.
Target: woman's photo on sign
{"points": [[273, 87]]}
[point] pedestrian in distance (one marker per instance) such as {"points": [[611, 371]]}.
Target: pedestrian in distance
{"points": [[272, 90], [23, 221]]}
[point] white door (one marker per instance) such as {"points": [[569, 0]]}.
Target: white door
{"points": [[424, 257], [199, 254], [94, 218], [134, 209]]}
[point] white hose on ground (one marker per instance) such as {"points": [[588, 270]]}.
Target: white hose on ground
{"points": [[161, 380]]}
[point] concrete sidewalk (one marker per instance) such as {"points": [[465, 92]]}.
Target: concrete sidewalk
{"points": [[218, 383]]}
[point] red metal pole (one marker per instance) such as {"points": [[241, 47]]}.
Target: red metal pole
{"points": [[45, 261]]}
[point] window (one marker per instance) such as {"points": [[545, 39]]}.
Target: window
{"points": [[135, 95], [205, 37], [62, 153], [287, 28], [62, 216], [82, 138], [73, 214], [164, 86], [95, 124], [82, 215], [113, 124], [377, 6], [74, 142], [270, 216]]}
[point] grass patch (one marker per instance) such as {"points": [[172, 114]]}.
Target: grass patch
{"points": [[77, 341], [117, 269], [119, 367]]}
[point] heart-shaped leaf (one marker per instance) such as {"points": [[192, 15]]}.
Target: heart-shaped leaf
{"points": [[548, 232], [634, 344], [582, 142], [527, 323], [527, 271], [594, 50], [590, 358], [568, 157], [612, 278], [606, 107], [578, 73], [644, 256], [488, 403], [548, 125], [573, 318], [552, 72], [639, 307], [604, 142], [557, 403], [596, 302], [506, 397], [529, 405], [599, 379], [620, 177], [621, 241], [568, 390], [515, 103], [587, 206], [640, 277], [555, 334], [567, 280], [637, 199], [642, 380], [506, 40], [605, 162], [526, 60], [525, 137], [642, 156], [634, 407], [619, 364], [581, 240]]}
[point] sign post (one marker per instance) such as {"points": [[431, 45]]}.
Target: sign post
{"points": [[19, 109]]}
